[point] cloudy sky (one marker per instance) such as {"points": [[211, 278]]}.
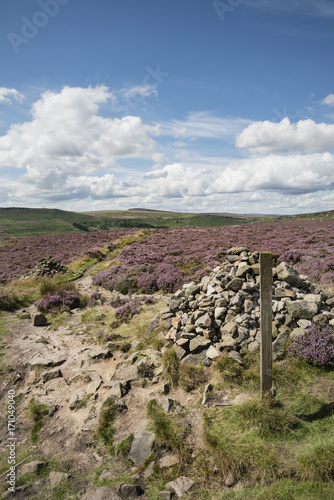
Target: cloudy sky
{"points": [[189, 105]]}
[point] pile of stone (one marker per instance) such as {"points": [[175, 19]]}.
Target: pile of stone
{"points": [[47, 267], [223, 310]]}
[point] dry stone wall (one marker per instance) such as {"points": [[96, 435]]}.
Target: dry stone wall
{"points": [[223, 310]]}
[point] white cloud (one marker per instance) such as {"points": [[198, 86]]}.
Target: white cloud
{"points": [[67, 137], [329, 100], [204, 125], [305, 136], [7, 95]]}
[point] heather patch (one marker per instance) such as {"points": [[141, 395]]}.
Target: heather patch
{"points": [[58, 300], [316, 346], [7, 300]]}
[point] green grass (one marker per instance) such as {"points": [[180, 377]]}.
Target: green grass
{"points": [[290, 436], [29, 221], [284, 490], [37, 412], [106, 431]]}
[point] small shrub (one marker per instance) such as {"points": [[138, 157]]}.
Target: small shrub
{"points": [[93, 298], [171, 367], [56, 301], [7, 301], [316, 346], [192, 376], [146, 370], [126, 312], [50, 286]]}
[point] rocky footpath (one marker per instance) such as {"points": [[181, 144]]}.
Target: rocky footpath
{"points": [[223, 310], [68, 371]]}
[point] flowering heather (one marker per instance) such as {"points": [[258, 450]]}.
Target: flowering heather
{"points": [[57, 300], [126, 312], [20, 255], [316, 346]]}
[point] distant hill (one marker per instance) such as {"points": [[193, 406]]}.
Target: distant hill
{"points": [[17, 222]]}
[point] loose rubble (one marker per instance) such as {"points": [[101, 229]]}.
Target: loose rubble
{"points": [[47, 267], [223, 310]]}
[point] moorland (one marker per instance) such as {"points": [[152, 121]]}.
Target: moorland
{"points": [[99, 373]]}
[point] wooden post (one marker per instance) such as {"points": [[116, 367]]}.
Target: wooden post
{"points": [[266, 280]]}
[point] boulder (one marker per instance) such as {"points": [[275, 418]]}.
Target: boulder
{"points": [[142, 446]]}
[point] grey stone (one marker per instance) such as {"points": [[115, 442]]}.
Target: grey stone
{"points": [[142, 446], [39, 320], [102, 493], [279, 346], [194, 358], [198, 344], [31, 467], [181, 485], [296, 332], [50, 375], [166, 495], [235, 285], [212, 353], [204, 321], [302, 309], [168, 461], [288, 274], [174, 303], [130, 490], [236, 250]]}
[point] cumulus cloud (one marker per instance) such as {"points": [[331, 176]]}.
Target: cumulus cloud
{"points": [[329, 100], [8, 95], [305, 136], [66, 136]]}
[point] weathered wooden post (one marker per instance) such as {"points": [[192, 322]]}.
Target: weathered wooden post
{"points": [[266, 280]]}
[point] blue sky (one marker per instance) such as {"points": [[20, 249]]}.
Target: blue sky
{"points": [[190, 105]]}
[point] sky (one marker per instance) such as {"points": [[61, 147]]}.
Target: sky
{"points": [[183, 105]]}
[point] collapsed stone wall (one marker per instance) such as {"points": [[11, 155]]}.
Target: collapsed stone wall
{"points": [[47, 267], [223, 310]]}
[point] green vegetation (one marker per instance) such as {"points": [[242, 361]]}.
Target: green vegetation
{"points": [[37, 412], [168, 429], [123, 448], [287, 440], [106, 431], [29, 221]]}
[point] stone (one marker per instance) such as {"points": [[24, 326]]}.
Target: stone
{"points": [[235, 285], [241, 399], [95, 383], [212, 353], [204, 321], [168, 461], [166, 404], [166, 495], [142, 446], [304, 323], [49, 375], [229, 328], [127, 373], [198, 344], [181, 485], [108, 474], [243, 270], [288, 274], [102, 493], [279, 346], [130, 490], [179, 351], [236, 356], [174, 303], [39, 320], [253, 346], [302, 309], [219, 312], [117, 388], [31, 467], [194, 358], [236, 250], [296, 332]]}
